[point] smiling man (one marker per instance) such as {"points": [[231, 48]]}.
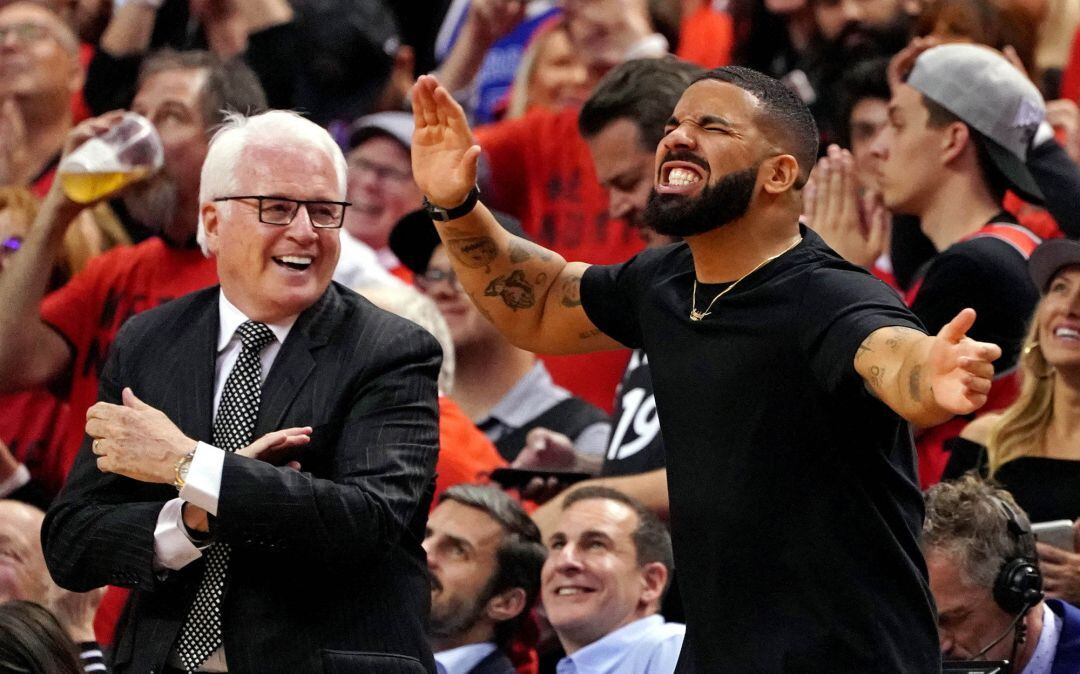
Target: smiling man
{"points": [[238, 564], [609, 563], [783, 375]]}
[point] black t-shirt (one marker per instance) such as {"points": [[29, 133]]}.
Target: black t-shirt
{"points": [[988, 275], [636, 445], [795, 510]]}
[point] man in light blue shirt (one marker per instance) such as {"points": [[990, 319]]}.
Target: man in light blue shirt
{"points": [[608, 566], [484, 557]]}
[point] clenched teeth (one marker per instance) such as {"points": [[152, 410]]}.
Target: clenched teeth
{"points": [[681, 176]]}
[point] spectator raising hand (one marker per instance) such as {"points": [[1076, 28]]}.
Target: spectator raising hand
{"points": [[854, 225]]}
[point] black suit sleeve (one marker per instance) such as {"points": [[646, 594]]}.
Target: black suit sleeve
{"points": [[100, 530], [381, 467]]}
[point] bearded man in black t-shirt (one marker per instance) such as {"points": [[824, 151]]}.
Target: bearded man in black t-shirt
{"points": [[783, 376]]}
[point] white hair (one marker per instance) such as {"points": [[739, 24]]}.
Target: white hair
{"points": [[409, 303], [238, 133]]}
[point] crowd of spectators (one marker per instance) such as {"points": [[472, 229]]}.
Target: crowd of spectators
{"points": [[949, 169]]}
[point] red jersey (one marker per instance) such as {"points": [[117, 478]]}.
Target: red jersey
{"points": [[89, 310], [543, 175]]}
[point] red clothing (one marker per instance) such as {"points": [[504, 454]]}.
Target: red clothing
{"points": [[1070, 79], [542, 174], [28, 425], [706, 37], [466, 456], [89, 310]]}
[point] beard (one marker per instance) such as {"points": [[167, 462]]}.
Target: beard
{"points": [[153, 203], [716, 206], [859, 41], [456, 615]]}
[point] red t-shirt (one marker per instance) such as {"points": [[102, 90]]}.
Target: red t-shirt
{"points": [[31, 424], [542, 174], [706, 37], [466, 456], [89, 310]]}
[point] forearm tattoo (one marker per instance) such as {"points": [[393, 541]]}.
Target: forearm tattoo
{"points": [[474, 252], [514, 290]]}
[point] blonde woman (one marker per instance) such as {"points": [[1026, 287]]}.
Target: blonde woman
{"points": [[1032, 448]]}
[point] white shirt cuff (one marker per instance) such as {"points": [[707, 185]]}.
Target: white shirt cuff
{"points": [[173, 548], [203, 484], [17, 480]]}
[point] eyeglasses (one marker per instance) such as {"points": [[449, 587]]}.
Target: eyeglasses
{"points": [[24, 32], [10, 245], [281, 211], [428, 279], [381, 172]]}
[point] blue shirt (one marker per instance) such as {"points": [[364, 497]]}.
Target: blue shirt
{"points": [[646, 646]]}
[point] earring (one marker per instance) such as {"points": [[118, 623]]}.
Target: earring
{"points": [[1030, 350]]}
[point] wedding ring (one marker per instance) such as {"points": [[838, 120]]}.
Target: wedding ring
{"points": [[94, 445]]}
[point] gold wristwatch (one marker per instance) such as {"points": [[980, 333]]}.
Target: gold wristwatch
{"points": [[182, 466]]}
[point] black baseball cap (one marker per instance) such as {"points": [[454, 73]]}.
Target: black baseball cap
{"points": [[414, 238]]}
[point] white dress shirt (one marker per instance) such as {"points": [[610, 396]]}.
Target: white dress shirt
{"points": [[462, 659], [360, 266], [173, 547]]}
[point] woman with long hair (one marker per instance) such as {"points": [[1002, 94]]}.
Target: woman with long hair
{"points": [[32, 642], [1032, 448]]}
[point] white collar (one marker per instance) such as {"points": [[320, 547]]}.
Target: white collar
{"points": [[230, 318], [463, 658]]}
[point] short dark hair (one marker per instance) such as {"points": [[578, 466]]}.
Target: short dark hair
{"points": [[786, 117], [32, 641], [865, 79], [652, 540], [645, 91], [231, 86], [520, 555], [939, 117]]}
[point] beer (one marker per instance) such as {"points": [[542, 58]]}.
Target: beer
{"points": [[86, 187]]}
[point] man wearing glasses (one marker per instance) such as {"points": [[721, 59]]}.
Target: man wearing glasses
{"points": [[260, 464]]}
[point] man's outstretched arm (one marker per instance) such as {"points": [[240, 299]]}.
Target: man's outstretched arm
{"points": [[928, 379], [530, 293]]}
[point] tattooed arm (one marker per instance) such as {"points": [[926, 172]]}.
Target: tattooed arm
{"points": [[530, 293], [928, 379]]}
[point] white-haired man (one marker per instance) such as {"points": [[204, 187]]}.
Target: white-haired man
{"points": [[256, 566]]}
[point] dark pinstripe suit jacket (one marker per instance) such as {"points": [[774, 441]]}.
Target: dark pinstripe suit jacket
{"points": [[326, 573]]}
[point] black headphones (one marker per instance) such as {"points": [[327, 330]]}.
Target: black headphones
{"points": [[1019, 583]]}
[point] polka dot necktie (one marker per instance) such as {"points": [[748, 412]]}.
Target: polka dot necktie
{"points": [[201, 634]]}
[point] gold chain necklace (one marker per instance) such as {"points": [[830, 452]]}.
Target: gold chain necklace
{"points": [[696, 315]]}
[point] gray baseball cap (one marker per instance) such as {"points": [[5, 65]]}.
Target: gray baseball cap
{"points": [[978, 85], [1050, 258], [397, 125]]}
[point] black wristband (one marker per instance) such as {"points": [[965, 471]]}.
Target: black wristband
{"points": [[443, 214]]}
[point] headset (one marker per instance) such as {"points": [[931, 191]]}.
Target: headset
{"points": [[1019, 583]]}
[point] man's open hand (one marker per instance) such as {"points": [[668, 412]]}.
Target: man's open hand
{"points": [[444, 154], [960, 370]]}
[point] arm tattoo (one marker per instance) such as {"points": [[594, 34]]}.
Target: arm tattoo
{"points": [[571, 292], [863, 350], [521, 250], [877, 373], [474, 252], [513, 290], [590, 333], [915, 383]]}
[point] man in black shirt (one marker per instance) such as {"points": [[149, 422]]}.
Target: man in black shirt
{"points": [[783, 376]]}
